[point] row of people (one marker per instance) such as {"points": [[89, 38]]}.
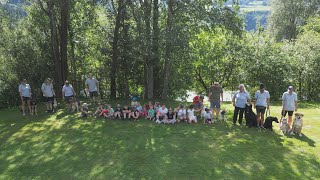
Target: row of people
{"points": [[150, 111]]}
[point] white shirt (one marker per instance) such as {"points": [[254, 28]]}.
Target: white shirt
{"points": [[47, 90], [190, 112], [261, 98], [289, 100], [68, 90], [163, 111], [207, 115], [25, 90], [92, 84], [182, 112]]}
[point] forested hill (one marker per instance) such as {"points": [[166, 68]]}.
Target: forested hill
{"points": [[159, 49]]}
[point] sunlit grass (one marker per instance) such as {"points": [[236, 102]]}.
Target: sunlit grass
{"points": [[63, 146]]}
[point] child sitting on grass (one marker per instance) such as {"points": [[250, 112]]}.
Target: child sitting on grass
{"points": [[207, 116], [126, 112], [161, 113], [191, 116], [118, 112], [135, 114], [182, 114], [84, 110], [99, 110], [111, 111], [176, 111], [170, 117], [144, 112], [151, 113]]}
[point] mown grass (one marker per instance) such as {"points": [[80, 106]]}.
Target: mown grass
{"points": [[63, 146]]}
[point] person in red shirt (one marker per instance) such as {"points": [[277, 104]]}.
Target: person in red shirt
{"points": [[198, 102]]}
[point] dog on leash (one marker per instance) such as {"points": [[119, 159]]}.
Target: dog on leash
{"points": [[75, 104], [297, 123], [33, 104], [284, 126], [268, 122], [223, 114], [250, 116]]}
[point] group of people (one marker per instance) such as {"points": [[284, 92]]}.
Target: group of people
{"points": [[159, 113]]}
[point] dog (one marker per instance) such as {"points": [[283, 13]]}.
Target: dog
{"points": [[268, 122], [33, 105], [75, 104], [284, 126], [223, 115], [250, 116], [297, 123]]}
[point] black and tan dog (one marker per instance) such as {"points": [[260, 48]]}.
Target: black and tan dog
{"points": [[268, 122]]}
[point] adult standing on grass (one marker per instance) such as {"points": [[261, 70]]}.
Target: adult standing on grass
{"points": [[48, 94], [25, 95], [239, 101], [92, 85], [68, 93], [289, 104], [214, 97], [261, 103]]}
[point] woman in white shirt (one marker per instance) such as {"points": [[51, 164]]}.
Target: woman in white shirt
{"points": [[48, 94], [25, 95], [68, 93]]}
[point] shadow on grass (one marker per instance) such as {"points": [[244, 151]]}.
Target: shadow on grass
{"points": [[65, 146]]}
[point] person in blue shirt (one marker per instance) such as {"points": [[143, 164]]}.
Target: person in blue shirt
{"points": [[239, 100]]}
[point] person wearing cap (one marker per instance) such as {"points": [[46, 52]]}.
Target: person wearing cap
{"points": [[25, 95], [134, 102], [214, 96], [239, 100], [84, 110], [68, 93], [48, 94], [92, 86], [261, 103], [289, 104]]}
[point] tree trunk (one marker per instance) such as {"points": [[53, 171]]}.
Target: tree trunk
{"points": [[148, 59], [54, 46], [64, 13], [113, 85], [155, 49], [168, 50]]}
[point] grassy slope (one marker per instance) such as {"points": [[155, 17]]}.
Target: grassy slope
{"points": [[64, 146]]}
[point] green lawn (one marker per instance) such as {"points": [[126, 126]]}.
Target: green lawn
{"points": [[63, 146]]}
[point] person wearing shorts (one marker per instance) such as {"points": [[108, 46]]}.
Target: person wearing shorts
{"points": [[68, 93], [214, 96], [261, 103], [48, 94], [25, 95], [93, 86], [289, 105]]}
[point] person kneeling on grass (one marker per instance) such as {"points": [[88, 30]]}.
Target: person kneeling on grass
{"points": [[207, 116], [135, 113], [170, 117], [118, 112], [191, 116], [126, 112], [161, 113], [84, 110], [151, 113]]}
